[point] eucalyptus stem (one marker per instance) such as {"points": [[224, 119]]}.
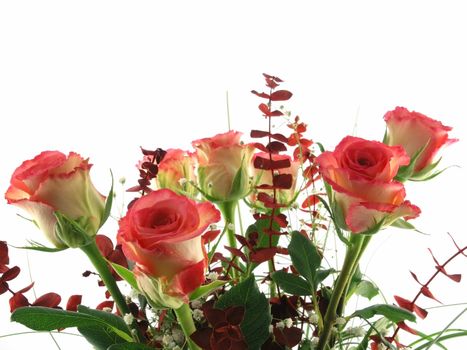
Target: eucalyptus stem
{"points": [[96, 258], [185, 319], [351, 259]]}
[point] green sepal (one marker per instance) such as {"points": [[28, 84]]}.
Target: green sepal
{"points": [[108, 202], [126, 274], [40, 247], [206, 289], [70, 232]]}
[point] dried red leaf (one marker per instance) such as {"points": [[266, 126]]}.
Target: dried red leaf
{"points": [[209, 236], [105, 245], [18, 300], [310, 201], [262, 255], [276, 147], [51, 300], [288, 336], [455, 277], [73, 302], [4, 259], [260, 94], [282, 181], [405, 327], [258, 134], [3, 287], [202, 338], [25, 289], [264, 109], [10, 274], [105, 304], [268, 164], [281, 95], [426, 292], [242, 240], [260, 146], [415, 278], [236, 252]]}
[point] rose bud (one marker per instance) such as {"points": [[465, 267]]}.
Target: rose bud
{"points": [[264, 177], [176, 171], [361, 173], [161, 233], [223, 171], [420, 136], [52, 186]]}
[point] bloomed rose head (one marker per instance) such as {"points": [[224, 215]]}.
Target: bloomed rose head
{"points": [[416, 132], [53, 182], [161, 233], [223, 171], [176, 171], [361, 173]]}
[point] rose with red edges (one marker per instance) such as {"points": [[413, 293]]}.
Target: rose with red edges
{"points": [[416, 133], [361, 173], [53, 182], [161, 233]]}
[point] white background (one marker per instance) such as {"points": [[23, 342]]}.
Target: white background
{"points": [[104, 77]]}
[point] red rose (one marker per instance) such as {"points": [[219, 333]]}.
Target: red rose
{"points": [[361, 174], [161, 233], [223, 166], [416, 132], [54, 182]]}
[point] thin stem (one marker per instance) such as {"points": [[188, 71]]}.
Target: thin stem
{"points": [[351, 258], [94, 255], [185, 319], [228, 212]]}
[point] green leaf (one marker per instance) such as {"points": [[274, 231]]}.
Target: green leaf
{"points": [[391, 312], [255, 324], [108, 202], [306, 345], [101, 338], [129, 346], [367, 290], [118, 325], [40, 318], [206, 289], [304, 256], [291, 283], [405, 225], [322, 274], [126, 274]]}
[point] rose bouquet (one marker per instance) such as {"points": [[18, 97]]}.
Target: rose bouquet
{"points": [[184, 271]]}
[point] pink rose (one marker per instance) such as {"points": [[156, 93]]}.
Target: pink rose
{"points": [[361, 174], [223, 166], [415, 132], [260, 177], [176, 171], [53, 182], [161, 233]]}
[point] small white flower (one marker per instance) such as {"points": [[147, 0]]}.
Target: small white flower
{"points": [[313, 318], [182, 181], [198, 314], [122, 180], [196, 304], [178, 336], [271, 328], [128, 318], [253, 211], [280, 325], [357, 331], [231, 227], [340, 321], [133, 293], [176, 347], [213, 227], [294, 206], [288, 322], [314, 341], [213, 276], [167, 339], [107, 309]]}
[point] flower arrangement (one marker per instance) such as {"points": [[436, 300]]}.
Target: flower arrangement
{"points": [[179, 281]]}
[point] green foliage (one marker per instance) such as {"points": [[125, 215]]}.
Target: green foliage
{"points": [[129, 346], [367, 289], [291, 283], [255, 324], [126, 274], [305, 257], [391, 312], [108, 202], [206, 289], [41, 248]]}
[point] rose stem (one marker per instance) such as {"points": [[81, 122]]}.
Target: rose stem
{"points": [[94, 255], [228, 212], [183, 314], [351, 259]]}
